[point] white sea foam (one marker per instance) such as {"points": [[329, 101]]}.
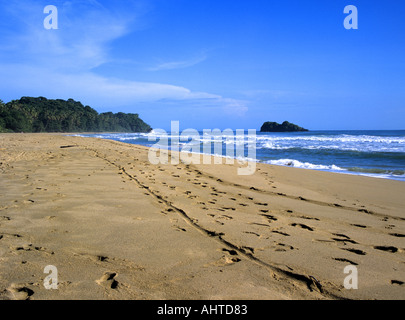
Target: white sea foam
{"points": [[334, 168], [348, 150], [344, 142], [303, 165]]}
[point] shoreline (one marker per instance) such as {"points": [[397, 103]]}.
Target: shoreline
{"points": [[341, 170], [118, 227]]}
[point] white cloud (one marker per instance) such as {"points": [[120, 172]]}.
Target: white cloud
{"points": [[60, 63], [81, 43], [179, 64], [40, 81]]}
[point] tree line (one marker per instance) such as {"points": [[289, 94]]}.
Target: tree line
{"points": [[40, 114]]}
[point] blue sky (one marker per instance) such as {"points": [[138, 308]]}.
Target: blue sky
{"points": [[212, 63]]}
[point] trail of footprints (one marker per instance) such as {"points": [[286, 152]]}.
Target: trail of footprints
{"points": [[221, 216], [224, 213], [20, 291], [26, 291]]}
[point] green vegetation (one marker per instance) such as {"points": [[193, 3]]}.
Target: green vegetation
{"points": [[43, 115], [284, 127]]}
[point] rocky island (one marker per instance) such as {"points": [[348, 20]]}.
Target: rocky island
{"points": [[284, 127]]}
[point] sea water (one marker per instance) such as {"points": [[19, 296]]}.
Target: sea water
{"points": [[373, 153]]}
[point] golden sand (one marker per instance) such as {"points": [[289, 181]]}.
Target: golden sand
{"points": [[118, 227]]}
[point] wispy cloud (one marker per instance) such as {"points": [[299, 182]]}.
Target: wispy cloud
{"points": [[60, 63], [179, 64], [92, 88], [112, 93], [81, 42]]}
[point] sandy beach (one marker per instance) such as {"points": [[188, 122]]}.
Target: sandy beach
{"points": [[118, 227]]}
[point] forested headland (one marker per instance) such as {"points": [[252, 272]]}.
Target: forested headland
{"points": [[40, 114]]}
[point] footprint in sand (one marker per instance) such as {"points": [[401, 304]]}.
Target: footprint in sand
{"points": [[359, 226], [343, 238], [261, 204], [230, 260], [258, 224], [304, 217], [30, 247], [8, 235], [364, 211], [101, 258], [399, 235], [387, 248], [228, 217], [280, 232], [356, 251], [230, 257], [253, 233], [226, 260], [303, 226], [346, 261], [20, 292], [269, 217], [179, 228], [281, 247], [108, 280]]}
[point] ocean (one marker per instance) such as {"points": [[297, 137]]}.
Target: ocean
{"points": [[374, 153]]}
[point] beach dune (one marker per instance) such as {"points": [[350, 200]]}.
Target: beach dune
{"points": [[116, 226]]}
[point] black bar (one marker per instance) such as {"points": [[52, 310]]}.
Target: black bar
{"points": [[201, 309]]}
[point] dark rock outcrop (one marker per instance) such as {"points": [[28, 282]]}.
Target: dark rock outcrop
{"points": [[284, 127]]}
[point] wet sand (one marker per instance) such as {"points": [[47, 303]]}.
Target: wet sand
{"points": [[118, 227]]}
